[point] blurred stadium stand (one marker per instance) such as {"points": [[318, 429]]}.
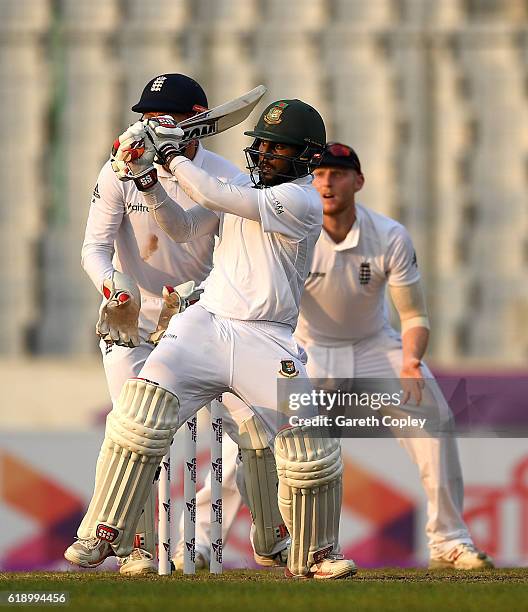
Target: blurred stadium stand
{"points": [[433, 95]]}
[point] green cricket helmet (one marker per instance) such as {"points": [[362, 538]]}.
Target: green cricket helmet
{"points": [[290, 122]]}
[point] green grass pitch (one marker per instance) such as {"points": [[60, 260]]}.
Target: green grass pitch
{"points": [[252, 591]]}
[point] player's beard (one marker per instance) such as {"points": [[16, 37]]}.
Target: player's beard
{"points": [[275, 177]]}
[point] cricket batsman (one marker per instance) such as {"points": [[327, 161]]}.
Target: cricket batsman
{"points": [[238, 337]]}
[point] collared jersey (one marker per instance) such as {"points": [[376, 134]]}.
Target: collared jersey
{"points": [[259, 267], [119, 222], [344, 297]]}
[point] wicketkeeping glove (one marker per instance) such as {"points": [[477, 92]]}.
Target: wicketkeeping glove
{"points": [[175, 300], [119, 312], [133, 155]]}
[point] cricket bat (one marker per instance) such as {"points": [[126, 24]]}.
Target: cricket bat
{"points": [[221, 117], [210, 122]]}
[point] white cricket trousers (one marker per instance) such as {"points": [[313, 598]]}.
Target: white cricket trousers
{"points": [[202, 356]]}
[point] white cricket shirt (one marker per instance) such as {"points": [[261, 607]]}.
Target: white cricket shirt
{"points": [[344, 296], [261, 260], [122, 235]]}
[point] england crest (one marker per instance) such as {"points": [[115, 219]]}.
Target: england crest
{"points": [[364, 273]]}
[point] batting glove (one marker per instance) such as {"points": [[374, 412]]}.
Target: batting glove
{"points": [[166, 137]]}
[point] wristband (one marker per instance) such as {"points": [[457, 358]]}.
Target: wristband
{"points": [[146, 180], [167, 152]]}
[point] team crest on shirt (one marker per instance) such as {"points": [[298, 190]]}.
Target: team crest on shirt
{"points": [[288, 368], [364, 273], [274, 115]]}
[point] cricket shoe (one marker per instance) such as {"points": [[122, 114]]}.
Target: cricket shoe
{"points": [[329, 568], [200, 562], [138, 562], [463, 557], [279, 559], [89, 552]]}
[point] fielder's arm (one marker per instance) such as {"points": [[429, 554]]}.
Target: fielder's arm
{"points": [[119, 311], [175, 301], [104, 219], [410, 304]]}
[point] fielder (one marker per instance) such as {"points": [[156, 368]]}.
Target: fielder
{"points": [[129, 258], [343, 327], [237, 338]]}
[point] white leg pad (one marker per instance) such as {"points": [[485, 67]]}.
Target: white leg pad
{"points": [[310, 492], [139, 431], [261, 484], [145, 537]]}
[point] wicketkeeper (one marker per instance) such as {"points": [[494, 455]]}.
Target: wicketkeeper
{"points": [[136, 267]]}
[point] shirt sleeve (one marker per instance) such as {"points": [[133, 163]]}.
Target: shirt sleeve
{"points": [[285, 209], [104, 219], [401, 266], [213, 193], [290, 210], [180, 224]]}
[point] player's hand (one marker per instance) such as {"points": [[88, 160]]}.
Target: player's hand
{"points": [[175, 300], [133, 156], [412, 381], [119, 312], [166, 137]]}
